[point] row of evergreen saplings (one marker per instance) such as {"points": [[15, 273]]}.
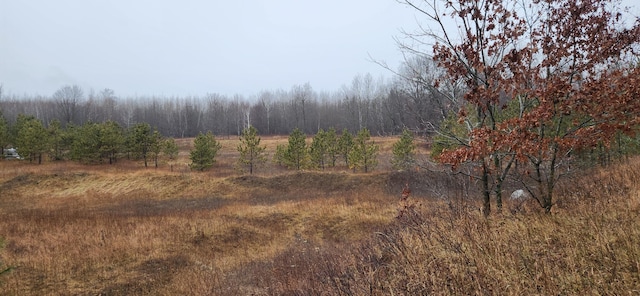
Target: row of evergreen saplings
{"points": [[107, 141], [88, 143], [359, 152]]}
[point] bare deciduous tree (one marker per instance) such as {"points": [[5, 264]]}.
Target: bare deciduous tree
{"points": [[67, 100]]}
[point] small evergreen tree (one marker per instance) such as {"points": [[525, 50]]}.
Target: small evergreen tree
{"points": [[318, 151], [155, 146], [86, 143], [204, 151], [58, 140], [140, 139], [364, 153], [332, 146], [111, 140], [345, 144], [452, 133], [296, 154], [32, 138], [251, 153], [404, 151], [280, 157], [170, 148]]}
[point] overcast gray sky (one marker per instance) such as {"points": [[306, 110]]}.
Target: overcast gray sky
{"points": [[194, 47]]}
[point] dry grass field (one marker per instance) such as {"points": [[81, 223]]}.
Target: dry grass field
{"points": [[72, 229], [122, 229]]}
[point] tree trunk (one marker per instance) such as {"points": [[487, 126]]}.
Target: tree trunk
{"points": [[498, 190], [486, 191]]}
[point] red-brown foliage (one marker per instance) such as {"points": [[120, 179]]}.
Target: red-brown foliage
{"points": [[565, 64]]}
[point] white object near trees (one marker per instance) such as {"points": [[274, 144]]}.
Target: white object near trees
{"points": [[519, 195]]}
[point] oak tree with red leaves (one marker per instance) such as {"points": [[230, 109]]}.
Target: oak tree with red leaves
{"points": [[544, 79]]}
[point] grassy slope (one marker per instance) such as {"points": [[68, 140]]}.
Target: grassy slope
{"points": [[122, 230], [590, 244]]}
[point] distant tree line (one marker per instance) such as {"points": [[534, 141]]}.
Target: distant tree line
{"points": [[383, 107]]}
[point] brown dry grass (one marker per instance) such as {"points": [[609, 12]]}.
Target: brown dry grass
{"points": [[138, 233], [70, 229], [125, 230], [589, 245]]}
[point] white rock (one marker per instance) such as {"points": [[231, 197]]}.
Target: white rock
{"points": [[519, 195]]}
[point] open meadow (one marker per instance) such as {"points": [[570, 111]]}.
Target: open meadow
{"points": [[122, 229]]}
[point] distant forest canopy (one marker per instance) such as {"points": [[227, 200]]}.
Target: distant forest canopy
{"points": [[410, 100]]}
